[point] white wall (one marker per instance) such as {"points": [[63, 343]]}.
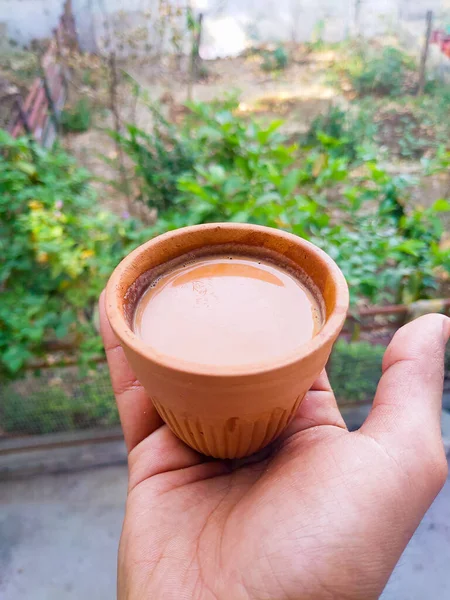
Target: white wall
{"points": [[288, 20], [30, 19], [229, 24]]}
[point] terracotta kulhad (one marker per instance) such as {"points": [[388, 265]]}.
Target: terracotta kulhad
{"points": [[221, 411]]}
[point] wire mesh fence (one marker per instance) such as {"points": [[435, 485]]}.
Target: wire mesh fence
{"points": [[56, 400], [66, 399]]}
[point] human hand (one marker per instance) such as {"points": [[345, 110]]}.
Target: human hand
{"points": [[322, 513]]}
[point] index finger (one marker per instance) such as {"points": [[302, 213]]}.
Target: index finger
{"points": [[137, 414]]}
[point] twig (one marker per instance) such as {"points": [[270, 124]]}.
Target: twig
{"points": [[48, 95], [196, 47], [23, 117], [423, 60], [113, 85]]}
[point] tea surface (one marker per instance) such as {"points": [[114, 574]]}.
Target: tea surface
{"points": [[227, 310]]}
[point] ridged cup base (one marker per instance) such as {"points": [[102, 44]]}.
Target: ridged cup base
{"points": [[234, 438]]}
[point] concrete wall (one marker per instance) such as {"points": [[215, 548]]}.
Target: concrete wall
{"points": [[30, 19], [229, 24]]}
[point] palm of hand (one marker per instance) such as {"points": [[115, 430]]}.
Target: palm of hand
{"points": [[323, 513], [288, 526]]}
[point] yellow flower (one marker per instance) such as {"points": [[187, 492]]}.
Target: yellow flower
{"points": [[87, 254], [35, 205], [42, 257]]}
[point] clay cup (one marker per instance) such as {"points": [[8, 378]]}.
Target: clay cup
{"points": [[221, 411]]}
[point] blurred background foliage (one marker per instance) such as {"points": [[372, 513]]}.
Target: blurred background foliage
{"points": [[59, 246], [350, 169]]}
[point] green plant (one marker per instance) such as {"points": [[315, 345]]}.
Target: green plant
{"points": [[388, 254], [246, 171], [159, 158], [275, 60], [77, 119], [341, 133], [251, 175], [354, 370], [94, 401], [47, 407], [57, 249], [439, 163], [406, 131], [385, 71], [46, 411]]}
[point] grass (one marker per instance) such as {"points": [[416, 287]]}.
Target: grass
{"points": [[354, 370], [78, 118], [40, 405]]}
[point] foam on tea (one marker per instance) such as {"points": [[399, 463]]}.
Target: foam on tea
{"points": [[227, 310]]}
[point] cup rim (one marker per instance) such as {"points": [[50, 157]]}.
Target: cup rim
{"points": [[126, 335]]}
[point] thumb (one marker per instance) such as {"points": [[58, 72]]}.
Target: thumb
{"points": [[406, 414]]}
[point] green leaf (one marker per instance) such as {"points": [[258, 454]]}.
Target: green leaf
{"points": [[187, 185], [217, 173], [210, 133], [264, 135], [233, 185], [290, 182], [15, 357], [268, 198], [242, 216], [441, 205], [411, 247], [27, 168]]}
